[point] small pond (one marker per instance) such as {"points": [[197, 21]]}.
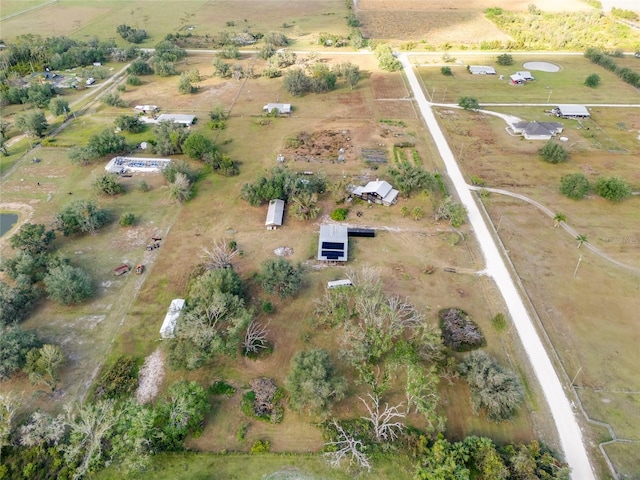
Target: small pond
{"points": [[7, 220]]}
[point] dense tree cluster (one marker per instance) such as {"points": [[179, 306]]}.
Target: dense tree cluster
{"points": [[280, 277], [613, 188], [494, 388], [130, 34], [607, 61], [213, 321], [386, 58], [553, 152], [282, 184], [409, 178]]}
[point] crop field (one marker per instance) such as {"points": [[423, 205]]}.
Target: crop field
{"points": [[438, 22], [593, 334], [89, 19], [564, 86]]}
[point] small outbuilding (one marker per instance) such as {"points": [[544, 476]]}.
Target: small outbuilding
{"points": [[146, 108], [526, 75], [481, 70], [378, 192], [171, 318], [517, 79], [571, 111], [186, 120], [275, 214], [333, 244], [281, 108]]}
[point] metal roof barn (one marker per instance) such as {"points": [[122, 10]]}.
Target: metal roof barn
{"points": [[333, 243], [275, 214]]}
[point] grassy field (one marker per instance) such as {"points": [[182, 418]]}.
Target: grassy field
{"points": [[565, 86], [86, 20], [593, 334], [263, 466]]}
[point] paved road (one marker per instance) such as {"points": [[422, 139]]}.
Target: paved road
{"points": [[564, 417]]}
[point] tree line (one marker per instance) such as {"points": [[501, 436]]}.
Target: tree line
{"points": [[607, 61]]}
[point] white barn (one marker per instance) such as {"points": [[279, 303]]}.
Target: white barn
{"points": [[481, 70], [571, 111], [171, 318], [275, 213], [281, 108], [176, 118]]}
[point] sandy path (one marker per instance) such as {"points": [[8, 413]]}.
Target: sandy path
{"points": [[563, 415]]}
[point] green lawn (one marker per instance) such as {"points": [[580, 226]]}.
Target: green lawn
{"points": [[189, 466], [565, 86]]}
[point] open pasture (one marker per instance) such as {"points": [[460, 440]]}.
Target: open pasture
{"points": [[587, 305], [438, 22], [89, 19], [565, 86]]}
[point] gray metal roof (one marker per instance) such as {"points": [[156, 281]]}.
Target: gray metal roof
{"points": [[573, 111], [275, 213]]}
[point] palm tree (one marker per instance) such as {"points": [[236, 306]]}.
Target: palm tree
{"points": [[558, 219], [305, 205], [581, 239], [180, 189]]}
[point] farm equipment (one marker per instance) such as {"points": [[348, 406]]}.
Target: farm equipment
{"points": [[122, 269], [139, 269]]}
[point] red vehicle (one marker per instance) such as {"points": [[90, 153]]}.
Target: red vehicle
{"points": [[121, 269]]}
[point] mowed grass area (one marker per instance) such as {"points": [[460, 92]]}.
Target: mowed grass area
{"points": [[264, 466], [13, 7], [590, 317], [564, 86], [89, 19]]}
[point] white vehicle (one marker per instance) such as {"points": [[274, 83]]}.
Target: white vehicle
{"points": [[339, 283], [90, 81]]}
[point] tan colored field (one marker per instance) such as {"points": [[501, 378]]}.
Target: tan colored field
{"points": [[590, 317], [101, 17], [439, 22]]}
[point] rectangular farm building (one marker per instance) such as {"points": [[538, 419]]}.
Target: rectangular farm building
{"points": [[177, 118], [481, 70], [170, 320], [275, 214], [571, 111], [281, 108], [333, 243]]}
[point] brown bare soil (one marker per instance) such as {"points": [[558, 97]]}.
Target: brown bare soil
{"points": [[438, 22]]}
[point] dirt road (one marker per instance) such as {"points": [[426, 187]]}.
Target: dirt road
{"points": [[563, 415]]}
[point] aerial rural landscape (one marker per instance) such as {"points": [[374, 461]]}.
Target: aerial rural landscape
{"points": [[321, 239]]}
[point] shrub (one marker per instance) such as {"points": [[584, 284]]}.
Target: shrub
{"points": [[499, 321], [107, 184], [504, 60], [592, 80], [459, 332], [494, 388], [446, 71], [113, 100], [119, 379], [574, 185], [143, 186], [133, 80], [339, 214], [127, 219], [267, 307], [613, 188], [553, 153], [468, 103], [222, 388], [260, 446]]}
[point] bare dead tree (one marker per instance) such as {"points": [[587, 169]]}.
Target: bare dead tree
{"points": [[403, 313], [219, 255], [385, 423], [255, 338], [346, 446]]}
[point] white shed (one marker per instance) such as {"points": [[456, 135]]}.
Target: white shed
{"points": [[170, 319], [275, 214]]}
